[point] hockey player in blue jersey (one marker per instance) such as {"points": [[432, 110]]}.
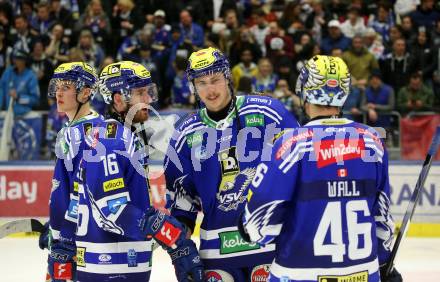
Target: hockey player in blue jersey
{"points": [[211, 160], [73, 85], [323, 198], [116, 224]]}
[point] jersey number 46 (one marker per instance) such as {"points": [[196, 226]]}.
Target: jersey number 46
{"points": [[332, 220]]}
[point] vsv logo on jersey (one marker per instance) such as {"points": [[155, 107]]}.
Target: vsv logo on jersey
{"points": [[113, 184], [168, 234], [231, 201], [334, 151], [232, 242]]}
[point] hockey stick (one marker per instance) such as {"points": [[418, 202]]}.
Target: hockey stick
{"points": [[414, 198], [20, 226], [8, 123]]}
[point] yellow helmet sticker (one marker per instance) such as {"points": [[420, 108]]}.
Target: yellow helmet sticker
{"points": [[202, 58], [114, 70], [70, 66]]}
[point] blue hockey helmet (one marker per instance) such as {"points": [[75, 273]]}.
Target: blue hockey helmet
{"points": [[205, 62], [78, 73], [124, 76]]}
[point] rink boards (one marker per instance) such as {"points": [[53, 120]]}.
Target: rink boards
{"points": [[25, 188]]}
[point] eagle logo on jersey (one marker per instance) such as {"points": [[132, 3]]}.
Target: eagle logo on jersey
{"points": [[257, 223], [231, 201]]}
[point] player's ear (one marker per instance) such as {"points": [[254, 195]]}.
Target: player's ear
{"points": [[119, 102], [85, 95]]}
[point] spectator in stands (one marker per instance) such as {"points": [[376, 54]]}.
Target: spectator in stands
{"points": [[5, 51], [244, 40], [395, 33], [291, 14], [21, 37], [316, 21], [425, 54], [354, 24], [378, 101], [214, 11], [125, 21], [260, 30], [360, 62], [266, 80], [408, 30], [397, 66], [87, 50], [334, 10], [352, 106], [95, 19], [41, 25], [58, 49], [62, 15], [143, 36], [246, 67], [43, 70], [435, 34], [284, 93], [426, 14], [373, 42], [277, 43], [335, 38], [19, 82], [230, 31], [416, 96], [382, 22], [285, 70], [161, 35], [181, 95], [191, 32], [27, 9]]}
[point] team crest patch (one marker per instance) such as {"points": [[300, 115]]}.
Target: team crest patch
{"points": [[111, 129], [260, 273]]}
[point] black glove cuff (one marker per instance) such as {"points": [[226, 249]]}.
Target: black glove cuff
{"points": [[241, 230]]}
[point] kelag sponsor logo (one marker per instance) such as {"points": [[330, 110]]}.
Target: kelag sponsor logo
{"points": [[232, 242]]}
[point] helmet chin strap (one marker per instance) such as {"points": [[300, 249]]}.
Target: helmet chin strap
{"points": [[80, 104]]}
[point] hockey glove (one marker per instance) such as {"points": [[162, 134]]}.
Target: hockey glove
{"points": [[45, 237], [171, 235], [61, 264], [394, 275]]}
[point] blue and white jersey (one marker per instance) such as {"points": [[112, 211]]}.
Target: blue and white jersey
{"points": [[324, 200], [113, 196], [64, 195], [208, 168]]}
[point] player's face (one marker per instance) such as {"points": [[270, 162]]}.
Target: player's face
{"points": [[213, 91], [140, 97], [65, 95]]}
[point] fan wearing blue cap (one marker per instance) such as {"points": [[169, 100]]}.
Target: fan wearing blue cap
{"points": [[19, 82]]}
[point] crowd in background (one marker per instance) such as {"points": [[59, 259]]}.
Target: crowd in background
{"points": [[390, 47]]}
